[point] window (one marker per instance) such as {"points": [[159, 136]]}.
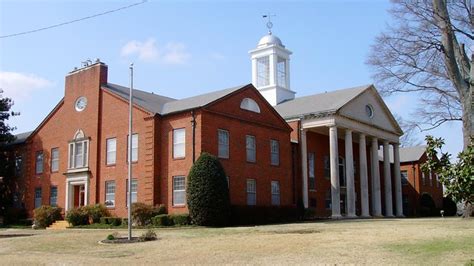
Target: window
{"points": [[18, 165], [275, 152], [342, 172], [369, 110], [228, 181], [179, 143], [327, 200], [134, 190], [404, 176], [39, 162], [110, 194], [263, 71], [223, 139], [251, 149], [275, 193], [311, 175], [179, 191], [431, 179], [423, 178], [250, 105], [134, 147], [53, 197], [437, 180], [54, 159], [281, 72], [38, 199], [251, 192], [78, 154], [111, 151], [327, 167]]}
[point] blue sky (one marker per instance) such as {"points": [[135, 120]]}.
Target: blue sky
{"points": [[184, 48]]}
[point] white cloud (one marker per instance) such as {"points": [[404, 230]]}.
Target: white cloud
{"points": [[20, 86], [173, 53]]}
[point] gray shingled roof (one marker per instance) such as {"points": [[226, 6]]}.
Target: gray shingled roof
{"points": [[158, 104], [21, 138], [407, 154], [328, 102]]}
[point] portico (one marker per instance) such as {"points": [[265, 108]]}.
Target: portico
{"points": [[351, 131]]}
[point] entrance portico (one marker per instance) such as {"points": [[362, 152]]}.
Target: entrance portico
{"points": [[351, 131], [77, 190]]}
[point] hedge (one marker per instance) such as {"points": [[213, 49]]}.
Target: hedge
{"points": [[115, 221]]}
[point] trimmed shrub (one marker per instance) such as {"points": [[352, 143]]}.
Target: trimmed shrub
{"points": [[161, 220], [449, 206], [115, 221], [77, 216], [46, 215], [180, 219], [95, 212], [208, 192], [160, 209], [149, 235], [142, 213]]}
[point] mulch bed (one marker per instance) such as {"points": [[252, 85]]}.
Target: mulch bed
{"points": [[123, 240]]}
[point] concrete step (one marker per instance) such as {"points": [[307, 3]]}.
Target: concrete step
{"points": [[59, 225]]}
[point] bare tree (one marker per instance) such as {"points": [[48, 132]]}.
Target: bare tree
{"points": [[410, 130], [424, 52]]}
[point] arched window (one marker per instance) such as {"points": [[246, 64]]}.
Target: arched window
{"points": [[250, 105], [78, 151]]}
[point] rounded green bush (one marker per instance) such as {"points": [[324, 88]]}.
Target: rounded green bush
{"points": [[208, 192], [77, 216], [46, 215], [96, 211]]}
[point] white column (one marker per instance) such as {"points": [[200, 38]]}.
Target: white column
{"points": [[67, 203], [398, 180], [304, 167], [334, 163], [377, 204], [273, 67], [86, 192], [350, 193], [387, 180], [254, 72], [364, 189]]}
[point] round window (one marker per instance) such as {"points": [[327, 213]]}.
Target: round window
{"points": [[369, 110], [81, 103]]}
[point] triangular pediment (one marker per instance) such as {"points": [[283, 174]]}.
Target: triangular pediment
{"points": [[357, 109]]}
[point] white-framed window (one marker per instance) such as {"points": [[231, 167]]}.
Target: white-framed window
{"points": [[281, 72], [223, 146], [251, 148], [38, 197], [404, 176], [263, 71], [250, 105], [251, 192], [110, 194], [53, 196], [311, 174], [39, 162], [111, 151], [431, 179], [274, 152], [134, 190], [18, 165], [423, 178], [179, 190], [134, 147], [275, 193], [54, 159], [78, 154], [179, 143]]}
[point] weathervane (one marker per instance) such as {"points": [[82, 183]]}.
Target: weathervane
{"points": [[269, 23]]}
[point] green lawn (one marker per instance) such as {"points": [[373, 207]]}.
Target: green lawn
{"points": [[377, 241]]}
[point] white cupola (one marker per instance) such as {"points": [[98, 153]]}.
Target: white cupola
{"points": [[271, 69]]}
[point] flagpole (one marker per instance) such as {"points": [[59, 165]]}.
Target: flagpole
{"points": [[129, 185]]}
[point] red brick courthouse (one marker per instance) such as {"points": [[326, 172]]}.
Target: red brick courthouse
{"points": [[321, 150]]}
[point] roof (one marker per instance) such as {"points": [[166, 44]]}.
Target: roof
{"points": [[407, 154], [158, 104], [328, 102], [20, 138]]}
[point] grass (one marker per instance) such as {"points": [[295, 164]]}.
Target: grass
{"points": [[379, 241]]}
